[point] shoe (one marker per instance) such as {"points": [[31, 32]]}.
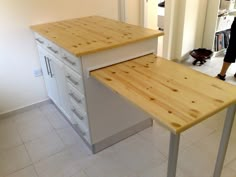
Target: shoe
{"points": [[162, 4], [222, 77]]}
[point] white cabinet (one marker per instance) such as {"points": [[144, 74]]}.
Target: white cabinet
{"points": [[75, 47], [64, 83], [96, 113], [54, 76]]}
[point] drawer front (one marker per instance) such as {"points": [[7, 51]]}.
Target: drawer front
{"points": [[54, 50], [78, 115], [74, 79], [71, 61], [49, 46], [77, 97], [40, 40], [83, 132]]}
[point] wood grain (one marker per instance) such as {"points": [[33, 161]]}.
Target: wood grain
{"points": [[92, 34], [174, 95]]}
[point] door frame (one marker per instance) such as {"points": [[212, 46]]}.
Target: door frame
{"points": [[170, 36], [121, 10]]}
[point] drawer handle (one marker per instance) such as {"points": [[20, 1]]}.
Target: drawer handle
{"points": [[81, 131], [41, 42], [72, 80], [54, 51], [69, 61], [77, 114], [75, 98]]}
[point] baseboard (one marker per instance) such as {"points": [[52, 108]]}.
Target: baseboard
{"points": [[105, 143], [23, 109], [121, 136]]}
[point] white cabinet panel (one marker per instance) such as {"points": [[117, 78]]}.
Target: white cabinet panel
{"points": [[49, 75]]}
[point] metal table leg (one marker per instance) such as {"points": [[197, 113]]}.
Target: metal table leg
{"points": [[224, 140], [173, 154]]}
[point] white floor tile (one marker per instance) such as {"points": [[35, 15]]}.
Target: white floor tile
{"points": [[210, 143], [159, 171], [80, 174], [160, 138], [26, 172], [105, 164], [54, 116], [228, 172], [137, 154], [44, 146], [216, 121], [32, 125], [70, 137], [232, 164], [13, 159], [231, 151], [63, 164], [9, 136], [197, 132], [194, 161], [107, 168]]}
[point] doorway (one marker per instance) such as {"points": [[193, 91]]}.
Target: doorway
{"points": [[145, 13]]}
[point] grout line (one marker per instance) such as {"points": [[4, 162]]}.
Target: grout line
{"points": [[55, 130], [24, 143], [18, 170], [31, 162], [35, 170]]}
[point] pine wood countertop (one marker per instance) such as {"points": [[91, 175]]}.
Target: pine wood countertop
{"points": [[174, 95], [92, 34]]}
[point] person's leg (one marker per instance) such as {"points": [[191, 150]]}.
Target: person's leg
{"points": [[230, 53], [224, 68]]}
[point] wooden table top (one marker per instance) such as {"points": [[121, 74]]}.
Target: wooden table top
{"points": [[91, 34], [174, 95]]}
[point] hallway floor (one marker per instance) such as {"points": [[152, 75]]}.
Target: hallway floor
{"points": [[40, 143], [212, 67]]}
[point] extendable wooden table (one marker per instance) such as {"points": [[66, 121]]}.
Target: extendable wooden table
{"points": [[174, 95]]}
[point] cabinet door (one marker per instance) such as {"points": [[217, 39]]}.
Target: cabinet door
{"points": [[59, 75], [49, 75]]}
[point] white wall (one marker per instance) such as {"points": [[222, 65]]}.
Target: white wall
{"points": [[190, 27], [18, 54], [184, 27], [152, 14], [132, 12]]}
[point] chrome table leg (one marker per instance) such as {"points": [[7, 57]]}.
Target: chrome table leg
{"points": [[224, 140], [173, 154]]}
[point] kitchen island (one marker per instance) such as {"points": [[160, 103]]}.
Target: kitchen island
{"points": [[68, 51]]}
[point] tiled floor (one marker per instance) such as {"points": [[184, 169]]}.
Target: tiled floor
{"points": [[40, 143], [212, 67]]}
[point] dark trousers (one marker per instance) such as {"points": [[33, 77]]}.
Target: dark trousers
{"points": [[230, 55]]}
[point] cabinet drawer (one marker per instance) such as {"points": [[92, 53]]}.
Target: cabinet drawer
{"points": [[76, 97], [54, 49], [48, 45], [71, 61], [78, 115], [83, 132], [74, 79], [40, 40]]}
